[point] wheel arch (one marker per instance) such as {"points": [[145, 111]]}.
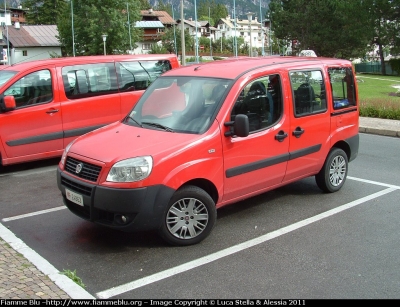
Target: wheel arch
{"points": [[205, 185], [343, 146]]}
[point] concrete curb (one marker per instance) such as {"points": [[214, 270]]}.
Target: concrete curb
{"points": [[386, 127]]}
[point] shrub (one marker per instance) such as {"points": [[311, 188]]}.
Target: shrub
{"points": [[380, 108]]}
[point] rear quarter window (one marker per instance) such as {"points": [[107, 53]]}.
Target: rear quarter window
{"points": [[342, 87], [138, 75]]}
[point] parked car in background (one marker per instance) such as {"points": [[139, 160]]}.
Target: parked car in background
{"points": [[45, 104], [207, 135]]}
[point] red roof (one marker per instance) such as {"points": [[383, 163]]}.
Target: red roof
{"points": [[163, 16]]}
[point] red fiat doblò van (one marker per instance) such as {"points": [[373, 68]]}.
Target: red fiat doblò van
{"points": [[45, 104], [207, 135]]}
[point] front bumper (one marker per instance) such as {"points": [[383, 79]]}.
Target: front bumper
{"points": [[141, 208]]}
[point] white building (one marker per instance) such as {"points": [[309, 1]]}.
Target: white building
{"points": [[28, 43], [253, 32], [203, 28]]}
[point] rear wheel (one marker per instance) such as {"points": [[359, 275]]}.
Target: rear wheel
{"points": [[334, 172], [189, 218]]}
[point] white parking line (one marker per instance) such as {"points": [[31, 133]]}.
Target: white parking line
{"points": [[375, 182], [31, 172], [234, 249], [17, 217], [68, 285]]}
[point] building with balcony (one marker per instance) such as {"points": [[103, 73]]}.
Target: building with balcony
{"points": [[153, 24]]}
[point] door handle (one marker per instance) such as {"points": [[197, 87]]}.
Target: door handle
{"points": [[52, 111], [298, 132], [281, 136]]}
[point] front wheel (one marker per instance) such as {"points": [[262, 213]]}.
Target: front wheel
{"points": [[189, 218], [334, 172]]}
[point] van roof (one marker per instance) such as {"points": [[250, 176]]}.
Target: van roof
{"points": [[233, 67], [85, 60]]}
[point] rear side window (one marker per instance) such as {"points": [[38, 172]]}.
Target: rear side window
{"points": [[138, 75], [32, 89], [309, 92], [89, 80], [343, 89]]}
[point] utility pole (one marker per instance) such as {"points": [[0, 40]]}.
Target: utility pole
{"points": [[72, 26], [129, 27], [209, 20], [8, 40], [196, 50], [183, 60]]}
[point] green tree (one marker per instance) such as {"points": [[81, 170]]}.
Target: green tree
{"points": [[92, 19], [158, 49], [168, 40], [210, 8], [45, 12], [333, 28], [143, 4], [385, 17]]}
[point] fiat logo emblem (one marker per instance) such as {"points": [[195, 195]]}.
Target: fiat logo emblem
{"points": [[78, 168]]}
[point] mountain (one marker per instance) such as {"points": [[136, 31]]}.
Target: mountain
{"points": [[242, 7], [11, 3]]}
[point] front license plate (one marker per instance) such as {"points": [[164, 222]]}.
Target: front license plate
{"points": [[74, 197]]}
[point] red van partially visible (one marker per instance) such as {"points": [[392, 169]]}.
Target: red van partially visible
{"points": [[46, 104], [207, 135]]}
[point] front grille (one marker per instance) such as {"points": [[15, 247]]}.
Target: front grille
{"points": [[89, 171], [77, 187]]}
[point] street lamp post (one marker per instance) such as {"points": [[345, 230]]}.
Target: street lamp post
{"points": [[250, 18], [104, 36]]}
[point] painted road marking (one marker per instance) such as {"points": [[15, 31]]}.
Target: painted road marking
{"points": [[69, 288], [240, 247], [30, 172], [17, 217], [68, 285]]}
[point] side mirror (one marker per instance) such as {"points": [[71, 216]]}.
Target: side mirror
{"points": [[8, 103], [240, 126]]}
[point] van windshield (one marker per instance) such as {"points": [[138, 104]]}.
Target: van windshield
{"points": [[180, 104], [6, 75]]}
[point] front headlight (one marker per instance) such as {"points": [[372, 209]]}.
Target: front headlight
{"points": [[64, 155], [131, 170]]}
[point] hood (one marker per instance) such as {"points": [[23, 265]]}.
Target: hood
{"points": [[118, 141]]}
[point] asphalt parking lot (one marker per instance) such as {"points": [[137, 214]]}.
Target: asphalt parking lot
{"points": [[293, 242]]}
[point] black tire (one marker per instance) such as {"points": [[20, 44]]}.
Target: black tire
{"points": [[333, 174], [189, 217]]}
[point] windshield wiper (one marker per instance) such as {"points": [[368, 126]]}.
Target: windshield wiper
{"points": [[158, 126], [134, 120]]}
